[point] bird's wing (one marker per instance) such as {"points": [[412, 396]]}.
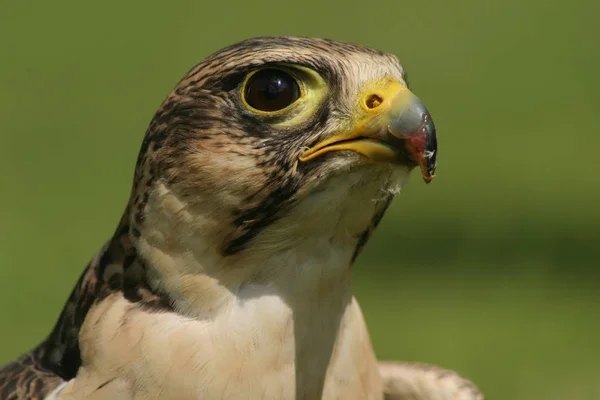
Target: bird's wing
{"points": [[26, 379], [38, 373], [417, 381]]}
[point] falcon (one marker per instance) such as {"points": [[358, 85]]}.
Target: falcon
{"points": [[260, 179]]}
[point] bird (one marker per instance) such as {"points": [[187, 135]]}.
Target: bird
{"points": [[229, 276]]}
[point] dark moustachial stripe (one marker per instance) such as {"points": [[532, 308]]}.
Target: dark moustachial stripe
{"points": [[367, 233], [252, 221], [281, 186]]}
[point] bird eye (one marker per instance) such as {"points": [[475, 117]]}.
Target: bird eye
{"points": [[271, 90]]}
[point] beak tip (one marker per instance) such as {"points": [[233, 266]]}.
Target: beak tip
{"points": [[427, 172]]}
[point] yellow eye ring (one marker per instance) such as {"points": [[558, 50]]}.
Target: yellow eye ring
{"points": [[271, 90]]}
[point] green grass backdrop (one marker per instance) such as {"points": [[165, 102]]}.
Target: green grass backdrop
{"points": [[492, 269]]}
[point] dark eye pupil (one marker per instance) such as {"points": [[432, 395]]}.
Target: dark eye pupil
{"points": [[271, 90]]}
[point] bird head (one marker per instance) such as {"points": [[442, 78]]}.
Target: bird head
{"points": [[274, 139]]}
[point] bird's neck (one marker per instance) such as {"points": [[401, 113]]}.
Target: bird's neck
{"points": [[304, 277], [294, 301], [303, 256], [290, 287]]}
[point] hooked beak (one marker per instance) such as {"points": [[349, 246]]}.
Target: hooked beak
{"points": [[394, 127]]}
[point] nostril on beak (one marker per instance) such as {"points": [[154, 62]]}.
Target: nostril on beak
{"points": [[373, 101]]}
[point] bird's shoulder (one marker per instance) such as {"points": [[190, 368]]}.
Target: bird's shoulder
{"points": [[25, 378], [57, 359], [37, 373]]}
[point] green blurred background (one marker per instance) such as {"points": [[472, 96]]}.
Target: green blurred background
{"points": [[491, 270]]}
